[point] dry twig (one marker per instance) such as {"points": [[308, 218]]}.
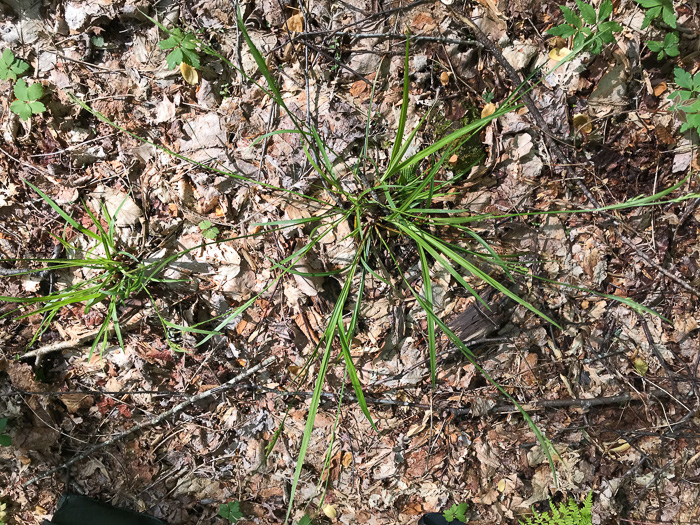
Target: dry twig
{"points": [[232, 383]]}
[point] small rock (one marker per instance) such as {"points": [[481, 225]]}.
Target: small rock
{"points": [[520, 55], [420, 63]]}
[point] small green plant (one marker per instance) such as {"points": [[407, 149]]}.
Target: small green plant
{"points": [[113, 275], [11, 67], [334, 49], [590, 30], [658, 9], [208, 230], [27, 103], [98, 42], [3, 513], [666, 48], [184, 48], [687, 99], [305, 520], [5, 440], [456, 512], [225, 90], [568, 513], [230, 511]]}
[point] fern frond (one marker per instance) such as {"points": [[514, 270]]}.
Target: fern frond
{"points": [[567, 513]]}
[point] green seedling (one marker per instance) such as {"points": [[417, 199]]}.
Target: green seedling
{"points": [[5, 440], [590, 30], [184, 45], [566, 513], [99, 43], [687, 99], [667, 48], [456, 512], [27, 103], [225, 90], [208, 230], [334, 49], [184, 48], [658, 9], [230, 511], [3, 513], [11, 67]]}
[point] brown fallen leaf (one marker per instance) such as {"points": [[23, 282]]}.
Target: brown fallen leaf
{"points": [[76, 402], [358, 88], [423, 22], [660, 88], [665, 135], [295, 23], [527, 369]]}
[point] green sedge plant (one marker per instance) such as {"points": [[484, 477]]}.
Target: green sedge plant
{"points": [[399, 205], [114, 275], [400, 202]]}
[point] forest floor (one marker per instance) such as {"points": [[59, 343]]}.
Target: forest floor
{"points": [[613, 387]]}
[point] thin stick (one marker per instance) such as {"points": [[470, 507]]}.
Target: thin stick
{"points": [[388, 36], [232, 383], [580, 403], [87, 337]]}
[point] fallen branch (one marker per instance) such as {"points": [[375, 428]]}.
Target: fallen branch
{"points": [[232, 383]]}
